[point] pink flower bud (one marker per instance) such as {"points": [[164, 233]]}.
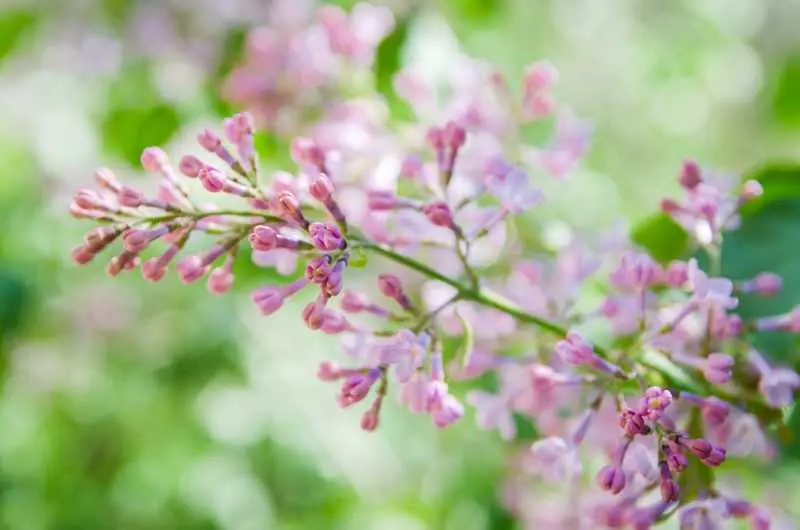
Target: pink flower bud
{"points": [[371, 418], [153, 159], [318, 269], [677, 274], [690, 176], [153, 269], [328, 371], [82, 255], [356, 387], [411, 167], [715, 411], [382, 200], [130, 197], [717, 368], [321, 188], [314, 314], [611, 478], [268, 299], [454, 136], [539, 76], [333, 283], [670, 206], [191, 166], [264, 238], [655, 401], [353, 302], [764, 284], [90, 200], [715, 458], [391, 286], [106, 179], [212, 179], [448, 411], [191, 268], [136, 240], [435, 138], [751, 190], [306, 152], [439, 214], [209, 140], [287, 204], [326, 237], [221, 279]]}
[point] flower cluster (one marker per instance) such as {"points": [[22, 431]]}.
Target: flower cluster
{"points": [[674, 388]]}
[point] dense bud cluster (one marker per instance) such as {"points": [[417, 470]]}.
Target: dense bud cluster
{"points": [[454, 190]]}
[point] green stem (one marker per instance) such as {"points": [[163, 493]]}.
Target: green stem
{"points": [[465, 292]]}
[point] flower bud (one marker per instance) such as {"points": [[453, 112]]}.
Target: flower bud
{"points": [[439, 214], [212, 179], [690, 176], [209, 140], [263, 238], [717, 368], [191, 166], [321, 188], [153, 159], [268, 299], [191, 268], [326, 237], [611, 478]]}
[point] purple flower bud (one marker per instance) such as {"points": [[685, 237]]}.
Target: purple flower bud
{"points": [[391, 286], [321, 188], [676, 461], [669, 487], [329, 371], [268, 298], [191, 268], [136, 240], [191, 166], [611, 478], [690, 176], [333, 283], [263, 238], [633, 423], [715, 411], [699, 447], [153, 159], [355, 388], [454, 136], [715, 458], [718, 368], [326, 237], [353, 302], [212, 179], [90, 200]]}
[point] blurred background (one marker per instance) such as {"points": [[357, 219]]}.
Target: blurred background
{"points": [[126, 405]]}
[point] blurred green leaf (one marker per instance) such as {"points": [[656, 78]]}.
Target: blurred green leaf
{"points": [[780, 180], [785, 103], [232, 49], [358, 259], [137, 116], [663, 238], [388, 61], [767, 241], [14, 295], [15, 23]]}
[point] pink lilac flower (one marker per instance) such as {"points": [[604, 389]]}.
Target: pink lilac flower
{"points": [[704, 515]]}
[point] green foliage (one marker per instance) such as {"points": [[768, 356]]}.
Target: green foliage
{"points": [[137, 116], [785, 100], [388, 62], [15, 24], [663, 238]]}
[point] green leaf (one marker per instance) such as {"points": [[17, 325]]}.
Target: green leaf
{"points": [[780, 180], [663, 238], [466, 343], [129, 130], [388, 61], [785, 103], [358, 259], [767, 241], [14, 25]]}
